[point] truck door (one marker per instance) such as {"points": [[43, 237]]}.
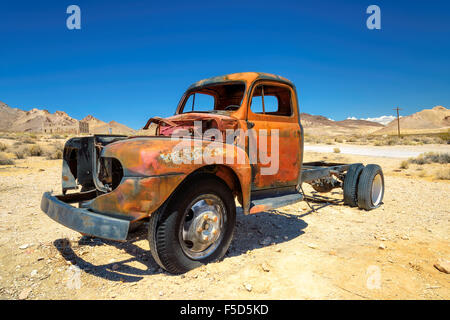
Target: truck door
{"points": [[273, 112]]}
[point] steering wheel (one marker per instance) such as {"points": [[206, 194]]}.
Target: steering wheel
{"points": [[232, 107]]}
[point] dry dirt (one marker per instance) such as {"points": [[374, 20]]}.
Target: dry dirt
{"points": [[336, 252]]}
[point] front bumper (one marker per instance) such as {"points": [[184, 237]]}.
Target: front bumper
{"points": [[84, 220]]}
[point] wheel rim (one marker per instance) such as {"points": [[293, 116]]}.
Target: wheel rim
{"points": [[377, 189], [202, 226]]}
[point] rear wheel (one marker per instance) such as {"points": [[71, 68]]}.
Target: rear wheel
{"points": [[195, 227], [371, 187], [351, 184]]}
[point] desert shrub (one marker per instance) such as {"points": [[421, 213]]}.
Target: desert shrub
{"points": [[404, 164], [3, 147], [337, 150], [21, 153], [431, 157], [35, 150], [17, 143], [443, 174], [28, 140], [5, 159], [55, 152]]}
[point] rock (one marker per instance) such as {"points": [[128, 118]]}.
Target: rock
{"points": [[115, 267], [266, 241], [265, 267], [24, 246], [278, 250], [248, 287], [33, 273], [24, 293], [161, 293], [381, 246], [405, 237], [312, 245], [443, 265]]}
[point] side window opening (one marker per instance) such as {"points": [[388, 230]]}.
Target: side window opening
{"points": [[271, 100]]}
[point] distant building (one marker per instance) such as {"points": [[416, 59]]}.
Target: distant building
{"points": [[76, 128]]}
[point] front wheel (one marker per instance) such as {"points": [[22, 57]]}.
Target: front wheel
{"points": [[195, 227]]}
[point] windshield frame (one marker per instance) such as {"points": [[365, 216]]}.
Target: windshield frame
{"points": [[182, 103]]}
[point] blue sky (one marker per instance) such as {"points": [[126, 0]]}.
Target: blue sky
{"points": [[133, 59]]}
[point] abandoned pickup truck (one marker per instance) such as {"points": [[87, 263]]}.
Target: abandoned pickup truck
{"points": [[235, 143]]}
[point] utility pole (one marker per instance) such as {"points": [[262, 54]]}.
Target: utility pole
{"points": [[398, 120]]}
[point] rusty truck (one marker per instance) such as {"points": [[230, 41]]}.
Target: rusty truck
{"points": [[111, 183]]}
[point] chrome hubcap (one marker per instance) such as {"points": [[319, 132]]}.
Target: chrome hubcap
{"points": [[202, 226], [377, 189]]}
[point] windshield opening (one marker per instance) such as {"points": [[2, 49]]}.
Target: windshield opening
{"points": [[215, 97]]}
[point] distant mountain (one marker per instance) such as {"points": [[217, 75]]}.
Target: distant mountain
{"points": [[13, 119], [320, 125], [427, 120]]}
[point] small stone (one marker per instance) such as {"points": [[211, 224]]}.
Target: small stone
{"points": [[33, 273], [382, 239], [405, 237], [24, 246], [24, 293], [265, 267], [443, 265], [312, 245], [161, 293], [115, 267], [266, 241], [248, 287], [278, 249], [381, 246]]}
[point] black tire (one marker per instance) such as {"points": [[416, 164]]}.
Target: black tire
{"points": [[371, 187], [134, 226], [165, 226], [351, 184]]}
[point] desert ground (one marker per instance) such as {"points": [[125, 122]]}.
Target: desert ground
{"points": [[334, 252]]}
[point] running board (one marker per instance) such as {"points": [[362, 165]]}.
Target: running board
{"points": [[265, 204]]}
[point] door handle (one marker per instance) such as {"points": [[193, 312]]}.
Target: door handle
{"points": [[250, 124]]}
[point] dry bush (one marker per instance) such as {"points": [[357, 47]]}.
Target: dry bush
{"points": [[443, 174], [3, 147], [28, 140], [5, 159], [404, 164], [35, 150], [337, 150], [21, 153], [55, 152], [431, 157]]}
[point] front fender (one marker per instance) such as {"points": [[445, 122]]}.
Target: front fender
{"points": [[154, 166]]}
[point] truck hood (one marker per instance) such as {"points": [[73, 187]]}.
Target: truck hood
{"points": [[156, 156]]}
